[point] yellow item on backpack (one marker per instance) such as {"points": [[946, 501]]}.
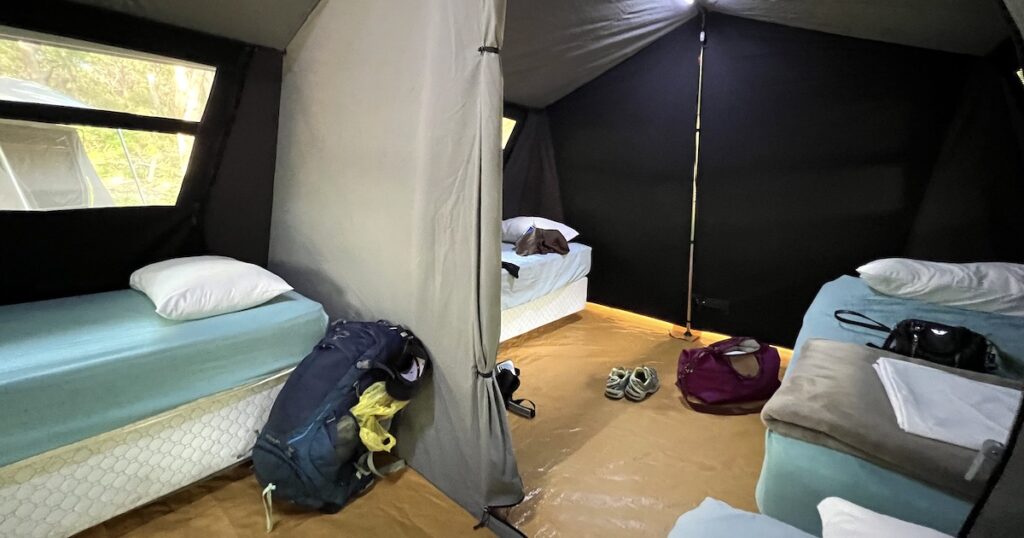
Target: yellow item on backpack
{"points": [[374, 407]]}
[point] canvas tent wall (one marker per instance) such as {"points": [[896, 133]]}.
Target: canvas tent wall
{"points": [[342, 158], [998, 512], [387, 206], [387, 188], [832, 135]]}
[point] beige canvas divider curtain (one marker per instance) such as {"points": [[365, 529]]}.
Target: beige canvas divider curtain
{"points": [[387, 205]]}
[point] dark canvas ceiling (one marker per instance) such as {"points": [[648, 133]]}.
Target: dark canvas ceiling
{"points": [[555, 46], [271, 23]]}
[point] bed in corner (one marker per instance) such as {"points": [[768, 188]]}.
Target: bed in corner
{"points": [[548, 287], [107, 405], [796, 475]]}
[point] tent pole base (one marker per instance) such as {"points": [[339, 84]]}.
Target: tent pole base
{"points": [[684, 333]]}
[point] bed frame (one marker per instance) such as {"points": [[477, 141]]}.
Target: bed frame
{"points": [[526, 317], [74, 487]]}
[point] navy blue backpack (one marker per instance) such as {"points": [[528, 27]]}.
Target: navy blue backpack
{"points": [[309, 452]]}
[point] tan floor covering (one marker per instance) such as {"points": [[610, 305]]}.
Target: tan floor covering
{"points": [[591, 466], [228, 505], [599, 467]]}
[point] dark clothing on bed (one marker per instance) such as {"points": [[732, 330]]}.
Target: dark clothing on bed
{"points": [[540, 241]]}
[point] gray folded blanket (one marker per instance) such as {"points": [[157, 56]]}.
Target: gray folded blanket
{"points": [[832, 397]]}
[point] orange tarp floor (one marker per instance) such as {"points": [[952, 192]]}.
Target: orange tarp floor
{"points": [[591, 466], [228, 505], [598, 467]]}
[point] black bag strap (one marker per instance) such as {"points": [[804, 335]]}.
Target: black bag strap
{"points": [[512, 268], [397, 386], [870, 324], [508, 383], [520, 408]]}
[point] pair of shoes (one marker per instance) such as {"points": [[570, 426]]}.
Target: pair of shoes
{"points": [[636, 384]]}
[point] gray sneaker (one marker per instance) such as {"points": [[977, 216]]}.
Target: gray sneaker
{"points": [[642, 383], [615, 387]]}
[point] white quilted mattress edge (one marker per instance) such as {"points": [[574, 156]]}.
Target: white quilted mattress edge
{"points": [[72, 488], [562, 302]]}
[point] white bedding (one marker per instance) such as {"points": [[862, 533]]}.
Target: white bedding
{"points": [[945, 407], [541, 274]]}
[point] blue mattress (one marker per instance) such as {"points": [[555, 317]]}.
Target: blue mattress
{"points": [[77, 367], [851, 293], [797, 475]]}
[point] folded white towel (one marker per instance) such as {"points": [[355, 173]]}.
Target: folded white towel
{"points": [[946, 407]]}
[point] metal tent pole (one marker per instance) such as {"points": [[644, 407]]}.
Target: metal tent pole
{"points": [[689, 334], [131, 166]]}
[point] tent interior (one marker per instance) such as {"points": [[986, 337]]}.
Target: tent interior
{"points": [[575, 205]]}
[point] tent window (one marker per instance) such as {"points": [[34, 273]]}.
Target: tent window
{"points": [[508, 126], [47, 166], [85, 125]]}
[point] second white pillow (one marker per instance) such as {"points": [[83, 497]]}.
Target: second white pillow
{"points": [[514, 228]]}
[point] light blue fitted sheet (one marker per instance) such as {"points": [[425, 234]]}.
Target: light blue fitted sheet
{"points": [[76, 367], [851, 293], [797, 475], [541, 274]]}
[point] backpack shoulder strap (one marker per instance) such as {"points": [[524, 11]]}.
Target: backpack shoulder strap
{"points": [[365, 466], [848, 316]]}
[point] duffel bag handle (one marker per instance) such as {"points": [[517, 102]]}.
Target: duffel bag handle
{"points": [[735, 343]]}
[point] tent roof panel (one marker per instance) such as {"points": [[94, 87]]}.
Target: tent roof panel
{"points": [[271, 23], [1016, 9], [553, 47], [963, 26]]}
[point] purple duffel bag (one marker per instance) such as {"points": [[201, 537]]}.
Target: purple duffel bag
{"points": [[731, 377]]}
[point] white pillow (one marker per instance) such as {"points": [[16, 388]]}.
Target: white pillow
{"points": [[204, 286], [513, 229], [987, 287], [843, 519]]}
